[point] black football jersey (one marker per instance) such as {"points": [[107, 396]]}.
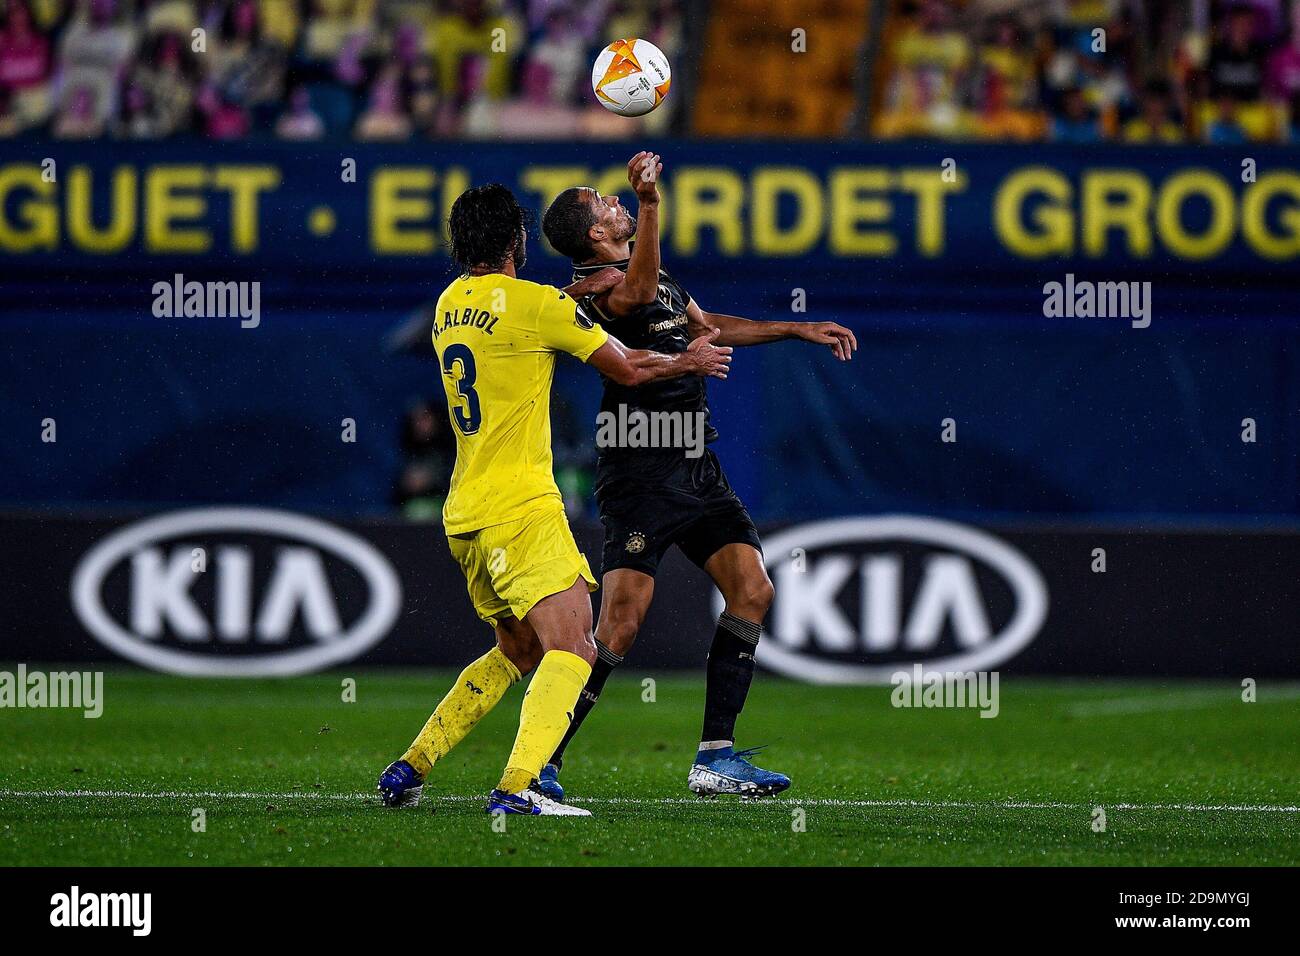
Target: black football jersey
{"points": [[659, 326]]}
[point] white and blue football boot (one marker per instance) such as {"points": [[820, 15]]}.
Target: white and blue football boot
{"points": [[728, 770], [548, 782], [533, 803], [400, 785]]}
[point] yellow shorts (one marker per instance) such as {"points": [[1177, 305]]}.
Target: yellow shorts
{"points": [[510, 567]]}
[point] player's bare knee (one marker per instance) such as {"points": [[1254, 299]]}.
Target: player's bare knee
{"points": [[619, 627], [519, 644], [752, 599], [526, 659], [582, 645], [619, 640]]}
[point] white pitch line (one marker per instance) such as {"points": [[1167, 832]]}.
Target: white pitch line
{"points": [[668, 801]]}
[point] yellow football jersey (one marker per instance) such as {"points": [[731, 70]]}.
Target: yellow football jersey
{"points": [[496, 339]]}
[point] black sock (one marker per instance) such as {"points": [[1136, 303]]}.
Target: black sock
{"points": [[606, 661], [730, 671]]}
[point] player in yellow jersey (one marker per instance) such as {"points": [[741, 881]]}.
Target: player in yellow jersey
{"points": [[497, 337]]}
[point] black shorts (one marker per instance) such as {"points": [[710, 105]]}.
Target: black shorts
{"points": [[652, 500]]}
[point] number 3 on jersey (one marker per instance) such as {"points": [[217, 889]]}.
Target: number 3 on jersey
{"points": [[469, 417]]}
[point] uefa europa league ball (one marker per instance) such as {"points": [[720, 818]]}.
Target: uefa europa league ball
{"points": [[631, 77]]}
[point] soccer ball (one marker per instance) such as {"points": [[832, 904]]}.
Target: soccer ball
{"points": [[631, 77]]}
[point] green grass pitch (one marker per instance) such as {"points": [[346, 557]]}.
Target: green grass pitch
{"points": [[284, 770]]}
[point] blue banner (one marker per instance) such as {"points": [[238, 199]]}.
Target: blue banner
{"points": [[869, 219], [963, 268]]}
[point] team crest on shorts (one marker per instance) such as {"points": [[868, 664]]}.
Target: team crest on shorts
{"points": [[635, 543]]}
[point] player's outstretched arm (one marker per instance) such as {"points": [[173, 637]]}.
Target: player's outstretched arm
{"points": [[634, 367], [735, 331], [641, 286]]}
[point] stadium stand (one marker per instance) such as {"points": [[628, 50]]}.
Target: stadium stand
{"points": [[776, 94], [1081, 71], [1078, 71], [372, 70]]}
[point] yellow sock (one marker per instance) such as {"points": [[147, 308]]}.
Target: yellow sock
{"points": [[477, 691], [546, 714]]}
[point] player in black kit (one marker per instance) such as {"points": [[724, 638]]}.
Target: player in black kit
{"points": [[652, 498]]}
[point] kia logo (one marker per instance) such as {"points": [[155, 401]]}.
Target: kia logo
{"points": [[859, 599], [236, 592]]}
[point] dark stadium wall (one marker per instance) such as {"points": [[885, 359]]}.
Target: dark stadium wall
{"points": [[1020, 599], [1043, 425]]}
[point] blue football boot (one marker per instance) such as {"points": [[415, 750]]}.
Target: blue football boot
{"points": [[549, 783], [727, 770], [532, 802], [400, 785]]}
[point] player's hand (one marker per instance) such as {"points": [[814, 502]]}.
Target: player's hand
{"points": [[643, 171], [841, 340], [596, 283], [706, 359]]}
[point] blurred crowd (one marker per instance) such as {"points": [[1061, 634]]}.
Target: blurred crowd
{"points": [[379, 70], [1078, 71], [1086, 71]]}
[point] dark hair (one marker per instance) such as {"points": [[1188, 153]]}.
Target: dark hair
{"points": [[567, 222], [485, 225]]}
